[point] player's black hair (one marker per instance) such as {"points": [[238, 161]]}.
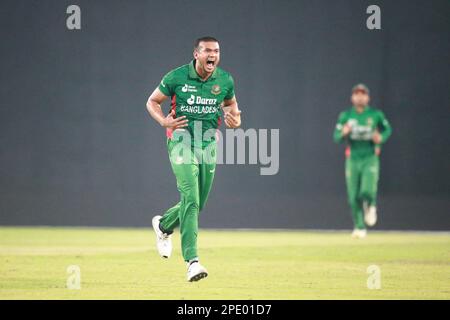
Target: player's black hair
{"points": [[204, 39]]}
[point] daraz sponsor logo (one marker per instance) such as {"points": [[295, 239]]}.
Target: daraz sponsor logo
{"points": [[199, 100]]}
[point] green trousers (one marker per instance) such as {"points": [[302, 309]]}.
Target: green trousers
{"points": [[362, 183], [194, 169]]}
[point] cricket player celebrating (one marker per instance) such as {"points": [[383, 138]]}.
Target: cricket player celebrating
{"points": [[199, 92], [364, 129]]}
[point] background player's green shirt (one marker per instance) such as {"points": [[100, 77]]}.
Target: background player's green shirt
{"points": [[196, 99], [363, 127]]}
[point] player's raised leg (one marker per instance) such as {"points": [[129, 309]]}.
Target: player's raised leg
{"points": [[170, 218]]}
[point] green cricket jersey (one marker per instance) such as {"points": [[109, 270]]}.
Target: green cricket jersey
{"points": [[196, 99], [363, 126]]}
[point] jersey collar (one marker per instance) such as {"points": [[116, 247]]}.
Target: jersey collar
{"points": [[194, 75]]}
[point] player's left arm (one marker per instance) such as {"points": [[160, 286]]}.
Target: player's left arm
{"points": [[232, 114], [384, 129]]}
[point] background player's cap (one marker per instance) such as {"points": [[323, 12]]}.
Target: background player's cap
{"points": [[360, 87]]}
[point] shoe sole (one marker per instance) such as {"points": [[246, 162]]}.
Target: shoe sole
{"points": [[198, 277], [156, 232]]}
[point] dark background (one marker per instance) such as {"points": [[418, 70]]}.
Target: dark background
{"points": [[77, 146]]}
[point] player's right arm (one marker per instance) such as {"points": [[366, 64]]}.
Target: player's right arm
{"points": [[342, 129], [159, 95]]}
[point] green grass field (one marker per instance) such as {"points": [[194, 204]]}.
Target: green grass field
{"points": [[123, 264]]}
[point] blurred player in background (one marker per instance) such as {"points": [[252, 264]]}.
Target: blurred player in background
{"points": [[199, 91], [365, 130]]}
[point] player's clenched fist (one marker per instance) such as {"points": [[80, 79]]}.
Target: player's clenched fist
{"points": [[174, 123]]}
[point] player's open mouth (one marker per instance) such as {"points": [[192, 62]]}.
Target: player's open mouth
{"points": [[210, 63]]}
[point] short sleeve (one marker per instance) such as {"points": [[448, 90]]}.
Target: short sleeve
{"points": [[230, 93], [167, 85]]}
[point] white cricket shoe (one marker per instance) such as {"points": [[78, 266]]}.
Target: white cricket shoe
{"points": [[359, 233], [163, 240], [370, 215], [196, 272]]}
